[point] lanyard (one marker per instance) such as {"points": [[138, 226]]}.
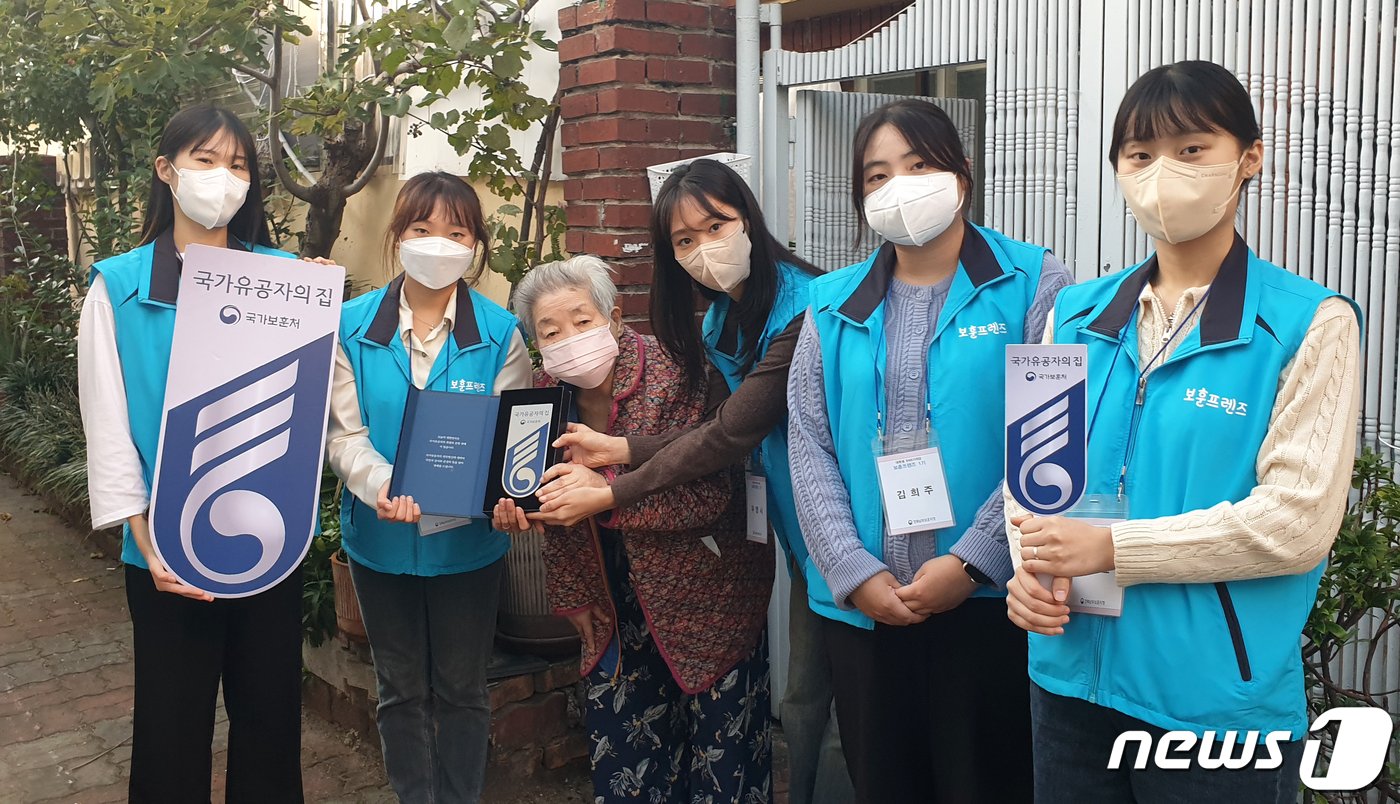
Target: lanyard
{"points": [[880, 388], [1141, 396]]}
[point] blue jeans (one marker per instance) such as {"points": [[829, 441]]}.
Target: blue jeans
{"points": [[816, 767], [1072, 741], [431, 639]]}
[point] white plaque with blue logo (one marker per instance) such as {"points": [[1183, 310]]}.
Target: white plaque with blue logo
{"points": [[1046, 454], [1045, 432], [238, 473]]}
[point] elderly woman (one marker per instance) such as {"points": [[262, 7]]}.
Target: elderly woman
{"points": [[668, 596]]}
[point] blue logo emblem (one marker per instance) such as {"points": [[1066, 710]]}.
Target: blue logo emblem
{"points": [[235, 502], [230, 314], [1045, 454], [524, 463]]}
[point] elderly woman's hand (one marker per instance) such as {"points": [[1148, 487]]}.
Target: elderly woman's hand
{"points": [[570, 493]]}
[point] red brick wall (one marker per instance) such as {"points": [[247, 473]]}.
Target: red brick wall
{"points": [[642, 82]]}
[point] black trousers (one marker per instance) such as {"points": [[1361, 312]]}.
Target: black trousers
{"points": [[184, 648], [937, 712]]}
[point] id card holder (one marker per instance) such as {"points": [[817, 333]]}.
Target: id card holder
{"points": [[1098, 593], [756, 498], [913, 482]]}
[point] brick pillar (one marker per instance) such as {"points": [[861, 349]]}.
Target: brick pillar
{"points": [[642, 82]]}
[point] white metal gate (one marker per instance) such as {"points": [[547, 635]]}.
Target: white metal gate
{"points": [[825, 126]]}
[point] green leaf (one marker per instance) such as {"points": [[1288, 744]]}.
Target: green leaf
{"points": [[458, 32], [507, 64]]}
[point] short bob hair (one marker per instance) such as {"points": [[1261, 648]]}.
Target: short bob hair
{"points": [[584, 272], [1182, 98]]}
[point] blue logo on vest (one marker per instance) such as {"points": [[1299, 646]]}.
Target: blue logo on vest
{"points": [[236, 498], [1045, 454]]}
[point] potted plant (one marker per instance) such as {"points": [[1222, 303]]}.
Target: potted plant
{"points": [[328, 593]]}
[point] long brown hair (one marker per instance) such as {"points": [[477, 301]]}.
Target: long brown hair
{"points": [[427, 193]]}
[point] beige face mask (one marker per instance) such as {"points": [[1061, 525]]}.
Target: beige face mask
{"points": [[720, 264], [1176, 202]]}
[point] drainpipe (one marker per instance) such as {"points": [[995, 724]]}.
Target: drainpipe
{"points": [[774, 196], [746, 79]]}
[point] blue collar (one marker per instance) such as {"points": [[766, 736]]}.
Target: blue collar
{"points": [[975, 259]]}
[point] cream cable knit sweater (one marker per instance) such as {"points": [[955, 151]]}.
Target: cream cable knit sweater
{"points": [[1288, 522]]}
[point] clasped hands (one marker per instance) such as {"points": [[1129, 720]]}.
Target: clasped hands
{"points": [[1063, 548], [940, 585]]}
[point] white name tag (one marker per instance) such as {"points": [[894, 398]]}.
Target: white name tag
{"points": [[757, 492], [428, 525], [915, 491], [1093, 594]]}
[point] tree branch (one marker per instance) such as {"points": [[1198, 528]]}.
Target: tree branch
{"points": [[525, 9], [269, 80], [374, 159], [199, 40], [279, 164], [541, 168]]}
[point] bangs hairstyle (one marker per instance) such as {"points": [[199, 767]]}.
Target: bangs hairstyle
{"points": [[1183, 98], [193, 128], [706, 181], [427, 193], [930, 134]]}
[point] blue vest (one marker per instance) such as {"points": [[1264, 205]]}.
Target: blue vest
{"points": [[1200, 656], [469, 362], [144, 284], [995, 283], [789, 303]]}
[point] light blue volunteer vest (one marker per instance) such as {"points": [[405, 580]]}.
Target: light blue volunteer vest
{"points": [[144, 284], [1201, 656], [789, 303], [995, 284], [468, 363]]}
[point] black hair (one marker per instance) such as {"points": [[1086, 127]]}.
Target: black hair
{"points": [[191, 128], [1180, 98], [708, 182], [930, 134]]}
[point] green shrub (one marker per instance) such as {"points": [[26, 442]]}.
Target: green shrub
{"points": [[1360, 585]]}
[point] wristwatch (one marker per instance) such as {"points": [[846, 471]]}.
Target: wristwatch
{"points": [[978, 576]]}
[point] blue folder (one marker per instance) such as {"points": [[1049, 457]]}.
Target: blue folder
{"points": [[445, 451], [460, 453]]}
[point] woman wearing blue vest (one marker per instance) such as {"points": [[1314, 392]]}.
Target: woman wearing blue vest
{"points": [[1223, 403], [205, 190], [709, 237], [428, 593], [900, 353]]}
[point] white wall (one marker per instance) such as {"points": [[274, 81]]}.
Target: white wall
{"points": [[431, 151]]}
